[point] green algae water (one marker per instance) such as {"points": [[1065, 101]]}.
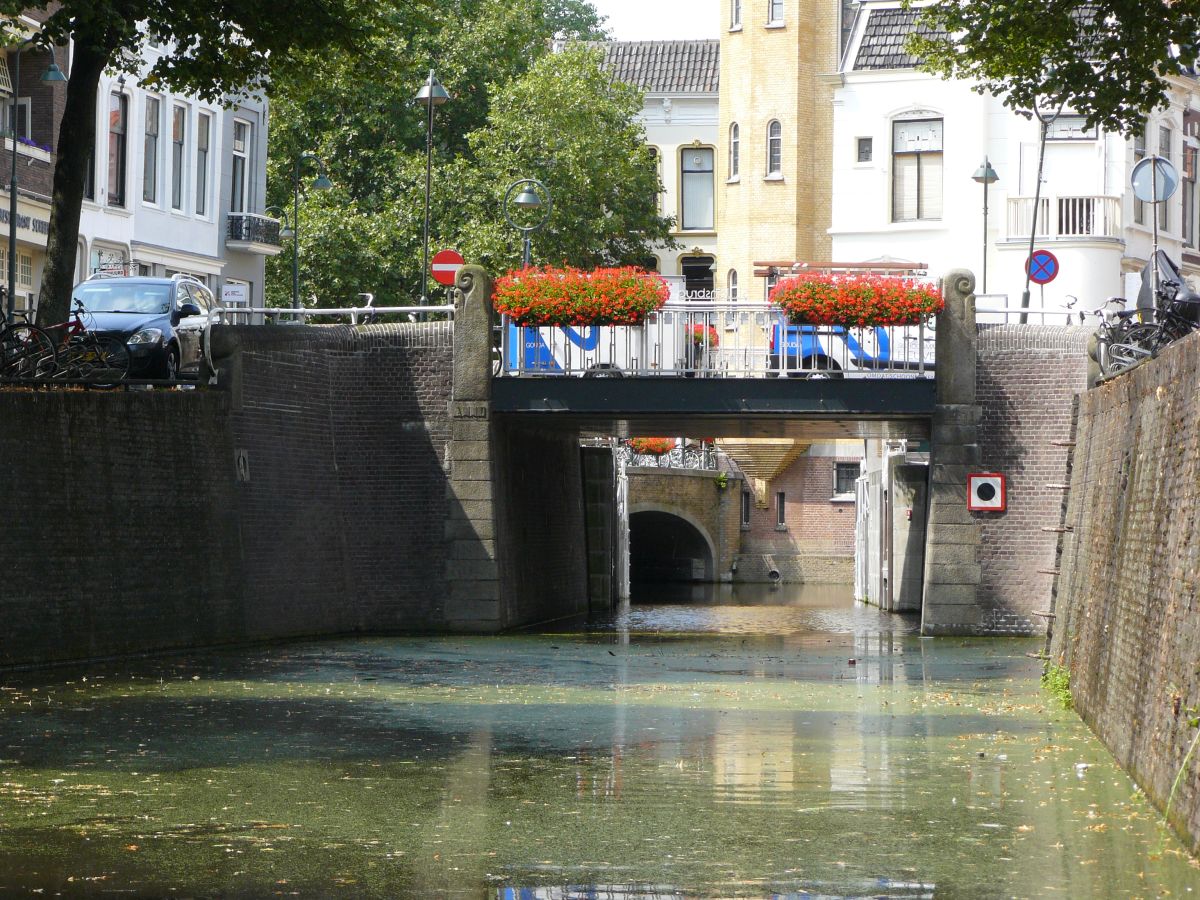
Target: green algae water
{"points": [[766, 744]]}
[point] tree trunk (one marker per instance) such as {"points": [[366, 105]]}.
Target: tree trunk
{"points": [[76, 138]]}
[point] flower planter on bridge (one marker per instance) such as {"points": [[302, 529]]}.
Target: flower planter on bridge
{"points": [[551, 296], [856, 300]]}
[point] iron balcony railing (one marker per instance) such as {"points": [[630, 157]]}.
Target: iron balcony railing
{"points": [[718, 340], [677, 458], [251, 228], [1068, 217]]}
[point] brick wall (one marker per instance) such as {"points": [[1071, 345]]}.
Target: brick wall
{"points": [[1026, 380], [817, 544], [1127, 624], [694, 494]]}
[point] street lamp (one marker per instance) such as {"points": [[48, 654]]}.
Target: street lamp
{"points": [[52, 73], [530, 198], [320, 183], [985, 175], [1046, 117], [432, 94]]}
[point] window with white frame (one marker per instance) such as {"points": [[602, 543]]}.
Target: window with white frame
{"points": [[774, 149], [780, 509], [1070, 127], [22, 127], [916, 170], [1165, 141], [240, 167], [735, 14], [150, 150], [178, 142], [696, 196], [1189, 196], [732, 284], [203, 136], [774, 12], [769, 283], [118, 149], [844, 476], [1139, 153], [735, 150]]}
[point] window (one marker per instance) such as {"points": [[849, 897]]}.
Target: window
{"points": [[1164, 150], [1139, 153], [774, 12], [769, 282], [1189, 196], [22, 113], [178, 135], [89, 176], [774, 149], [735, 14], [203, 127], [735, 149], [1070, 128], [733, 285], [844, 476], [697, 193], [240, 167], [866, 148], [118, 116], [780, 510], [916, 170], [745, 509], [150, 151]]}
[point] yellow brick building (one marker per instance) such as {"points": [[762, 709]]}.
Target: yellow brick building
{"points": [[779, 60]]}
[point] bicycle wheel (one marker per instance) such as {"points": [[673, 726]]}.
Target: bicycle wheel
{"points": [[111, 363], [1131, 345], [28, 353]]}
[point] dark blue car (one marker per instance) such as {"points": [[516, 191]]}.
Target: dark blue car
{"points": [[160, 320]]}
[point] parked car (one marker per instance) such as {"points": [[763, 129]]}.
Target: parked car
{"points": [[161, 320]]}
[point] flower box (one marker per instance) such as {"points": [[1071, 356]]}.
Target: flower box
{"points": [[551, 296], [652, 446], [856, 301]]}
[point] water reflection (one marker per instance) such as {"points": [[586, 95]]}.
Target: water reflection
{"points": [[668, 752]]}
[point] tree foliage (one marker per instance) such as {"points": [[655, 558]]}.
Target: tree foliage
{"points": [[517, 111], [1107, 59], [217, 49]]}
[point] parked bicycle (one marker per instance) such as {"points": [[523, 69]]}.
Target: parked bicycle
{"points": [[86, 355], [26, 351]]}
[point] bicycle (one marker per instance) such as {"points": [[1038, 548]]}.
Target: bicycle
{"points": [[27, 352], [86, 355]]}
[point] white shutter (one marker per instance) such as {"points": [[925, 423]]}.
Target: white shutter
{"points": [[931, 186], [904, 188]]}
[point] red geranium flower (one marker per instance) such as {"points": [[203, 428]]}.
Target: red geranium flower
{"points": [[551, 296], [857, 300]]}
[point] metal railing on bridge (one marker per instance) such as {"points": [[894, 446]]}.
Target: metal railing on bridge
{"points": [[718, 340], [703, 458]]}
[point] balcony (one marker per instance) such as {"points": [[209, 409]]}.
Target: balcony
{"points": [[252, 233], [1066, 218]]}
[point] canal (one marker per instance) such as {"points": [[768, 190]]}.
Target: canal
{"points": [[763, 743]]}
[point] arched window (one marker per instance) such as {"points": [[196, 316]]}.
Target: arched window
{"points": [[774, 148], [735, 149], [733, 286]]}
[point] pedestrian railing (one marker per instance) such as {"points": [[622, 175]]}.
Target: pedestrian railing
{"points": [[678, 458]]}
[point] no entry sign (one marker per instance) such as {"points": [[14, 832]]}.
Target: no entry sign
{"points": [[1042, 267], [445, 266]]}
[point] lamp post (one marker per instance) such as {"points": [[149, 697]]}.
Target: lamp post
{"points": [[1046, 117], [320, 183], [52, 73], [432, 94], [530, 198], [985, 175]]}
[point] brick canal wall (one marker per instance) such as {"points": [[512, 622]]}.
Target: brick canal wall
{"points": [[307, 499], [1128, 595], [1026, 379]]}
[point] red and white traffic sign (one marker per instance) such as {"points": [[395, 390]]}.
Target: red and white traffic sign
{"points": [[445, 266], [986, 492]]}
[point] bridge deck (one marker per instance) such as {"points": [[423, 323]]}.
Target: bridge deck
{"points": [[749, 407]]}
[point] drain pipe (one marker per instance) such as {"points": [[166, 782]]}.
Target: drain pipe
{"points": [[772, 570]]}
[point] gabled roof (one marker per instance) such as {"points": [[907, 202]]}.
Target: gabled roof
{"points": [[884, 36], [665, 67]]}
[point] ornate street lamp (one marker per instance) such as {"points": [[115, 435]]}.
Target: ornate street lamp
{"points": [[52, 73], [985, 175], [432, 94], [533, 196], [320, 183]]}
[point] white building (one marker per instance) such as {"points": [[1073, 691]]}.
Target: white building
{"points": [[680, 80], [177, 185], [906, 145]]}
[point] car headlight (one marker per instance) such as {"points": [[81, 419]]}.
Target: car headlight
{"points": [[146, 336]]}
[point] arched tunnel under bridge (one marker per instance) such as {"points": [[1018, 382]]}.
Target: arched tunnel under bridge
{"points": [[665, 547]]}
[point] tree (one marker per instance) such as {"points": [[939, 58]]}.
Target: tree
{"points": [[219, 49], [1108, 59], [356, 112]]}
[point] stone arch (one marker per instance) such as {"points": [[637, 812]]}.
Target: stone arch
{"points": [[658, 515]]}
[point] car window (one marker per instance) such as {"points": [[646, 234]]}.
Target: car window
{"points": [[182, 295], [203, 296], [123, 296]]}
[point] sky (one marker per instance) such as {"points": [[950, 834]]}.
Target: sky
{"points": [[659, 20]]}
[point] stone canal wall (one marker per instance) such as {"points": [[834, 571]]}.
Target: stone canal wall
{"points": [[1128, 593], [308, 498]]}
